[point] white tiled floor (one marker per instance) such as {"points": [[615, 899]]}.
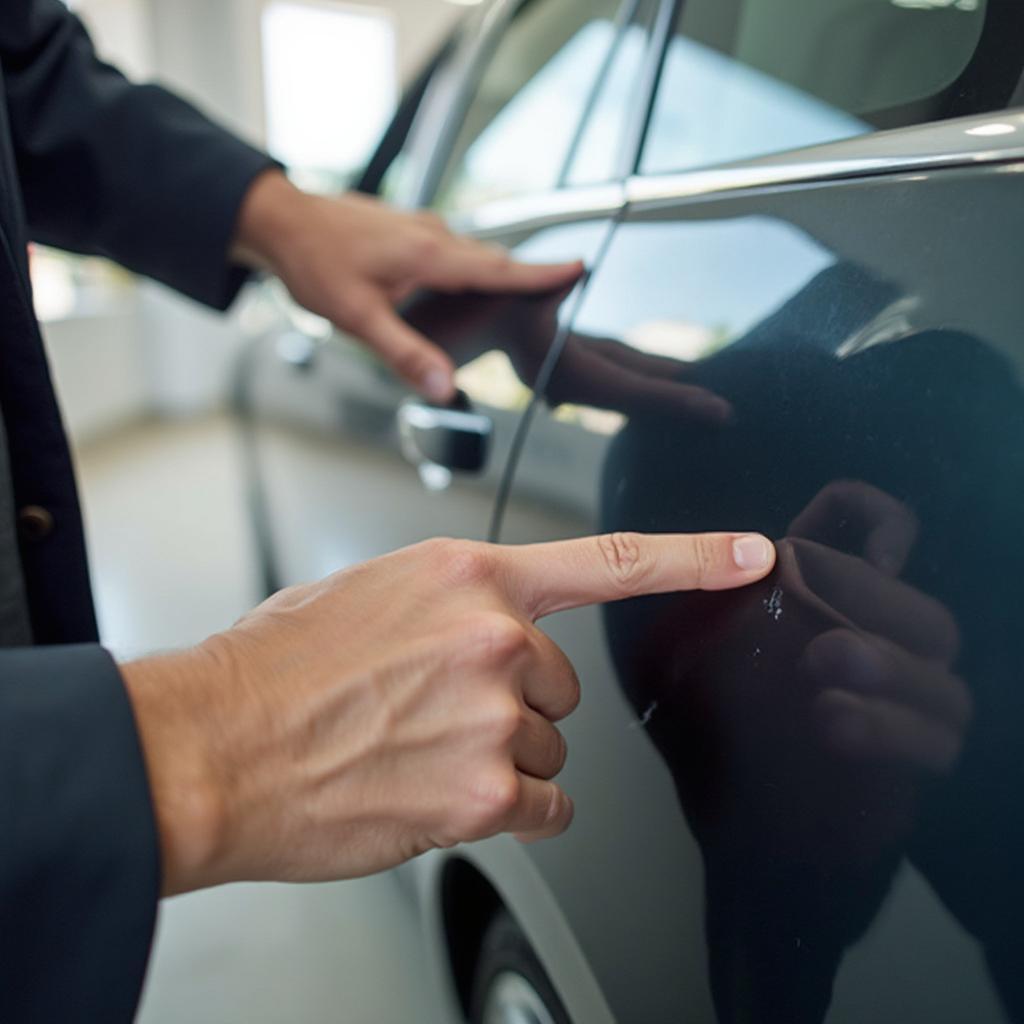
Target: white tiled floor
{"points": [[172, 562]]}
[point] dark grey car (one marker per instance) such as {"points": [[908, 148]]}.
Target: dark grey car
{"points": [[800, 802]]}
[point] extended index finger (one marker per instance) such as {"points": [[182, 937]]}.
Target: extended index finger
{"points": [[542, 579], [468, 264]]}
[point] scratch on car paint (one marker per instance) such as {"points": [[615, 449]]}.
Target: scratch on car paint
{"points": [[642, 721], [773, 604]]}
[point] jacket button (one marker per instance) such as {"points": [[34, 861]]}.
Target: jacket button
{"points": [[35, 522]]}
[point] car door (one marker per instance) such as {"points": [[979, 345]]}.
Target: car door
{"points": [[800, 802], [332, 485]]}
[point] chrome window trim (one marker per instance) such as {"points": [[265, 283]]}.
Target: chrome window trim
{"points": [[490, 34], [635, 134], [479, 52], [624, 17], [542, 209], [996, 137]]}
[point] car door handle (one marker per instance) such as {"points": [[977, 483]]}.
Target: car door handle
{"points": [[456, 437]]}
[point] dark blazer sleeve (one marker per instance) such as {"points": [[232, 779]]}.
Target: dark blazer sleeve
{"points": [[79, 862], [111, 168]]}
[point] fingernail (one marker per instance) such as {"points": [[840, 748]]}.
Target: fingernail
{"points": [[437, 385], [752, 553]]}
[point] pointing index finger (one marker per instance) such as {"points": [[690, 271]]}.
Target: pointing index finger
{"points": [[546, 578], [490, 268]]}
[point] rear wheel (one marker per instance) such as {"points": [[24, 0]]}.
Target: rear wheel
{"points": [[511, 986]]}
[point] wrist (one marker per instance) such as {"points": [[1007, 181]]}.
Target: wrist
{"points": [[169, 698], [272, 214]]}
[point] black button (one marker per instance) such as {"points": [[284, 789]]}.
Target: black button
{"points": [[35, 522]]}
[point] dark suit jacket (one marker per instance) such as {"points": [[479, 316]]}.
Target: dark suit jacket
{"points": [[93, 164]]}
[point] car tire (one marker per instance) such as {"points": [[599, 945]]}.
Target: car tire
{"points": [[510, 985]]}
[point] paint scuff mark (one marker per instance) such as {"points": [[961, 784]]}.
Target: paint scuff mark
{"points": [[773, 604], [644, 719]]}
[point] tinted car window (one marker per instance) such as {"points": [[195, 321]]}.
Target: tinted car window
{"points": [[597, 155], [520, 126], [747, 77]]}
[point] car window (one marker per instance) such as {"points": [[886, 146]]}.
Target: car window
{"points": [[521, 123], [387, 169], [748, 77], [597, 154]]}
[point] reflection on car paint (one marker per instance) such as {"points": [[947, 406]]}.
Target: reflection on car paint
{"points": [[861, 708], [863, 704]]}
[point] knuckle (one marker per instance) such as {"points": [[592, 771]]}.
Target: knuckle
{"points": [[502, 720], [559, 753], [464, 564], [409, 361], [705, 557], [495, 796], [573, 693], [357, 312], [559, 811], [435, 552], [427, 247], [624, 559], [495, 638]]}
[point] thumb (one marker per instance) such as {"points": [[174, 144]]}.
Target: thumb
{"points": [[419, 362]]}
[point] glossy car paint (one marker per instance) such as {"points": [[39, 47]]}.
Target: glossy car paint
{"points": [[741, 852], [768, 847]]}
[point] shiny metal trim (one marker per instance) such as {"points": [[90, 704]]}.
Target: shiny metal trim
{"points": [[426, 417], [964, 142], [541, 209]]}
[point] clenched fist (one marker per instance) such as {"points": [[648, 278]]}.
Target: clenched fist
{"points": [[406, 704]]}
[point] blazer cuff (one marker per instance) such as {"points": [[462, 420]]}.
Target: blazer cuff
{"points": [[79, 854]]}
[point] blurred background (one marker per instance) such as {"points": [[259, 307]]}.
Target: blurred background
{"points": [[145, 380], [314, 81]]}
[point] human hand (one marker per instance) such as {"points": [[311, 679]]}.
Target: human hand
{"points": [[406, 704], [352, 258]]}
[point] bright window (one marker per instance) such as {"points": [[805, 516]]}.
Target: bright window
{"points": [[330, 80]]}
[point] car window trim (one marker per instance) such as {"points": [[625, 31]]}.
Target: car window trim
{"points": [[542, 209], [635, 135], [623, 19], [920, 148], [399, 128], [496, 23]]}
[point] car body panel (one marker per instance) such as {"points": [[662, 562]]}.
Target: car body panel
{"points": [[858, 304], [866, 330]]}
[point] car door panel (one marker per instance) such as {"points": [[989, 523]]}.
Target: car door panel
{"points": [[774, 824]]}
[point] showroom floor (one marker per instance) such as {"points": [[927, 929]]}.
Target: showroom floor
{"points": [[171, 559]]}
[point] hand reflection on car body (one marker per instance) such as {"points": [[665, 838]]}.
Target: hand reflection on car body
{"points": [[799, 723], [599, 372], [863, 706]]}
